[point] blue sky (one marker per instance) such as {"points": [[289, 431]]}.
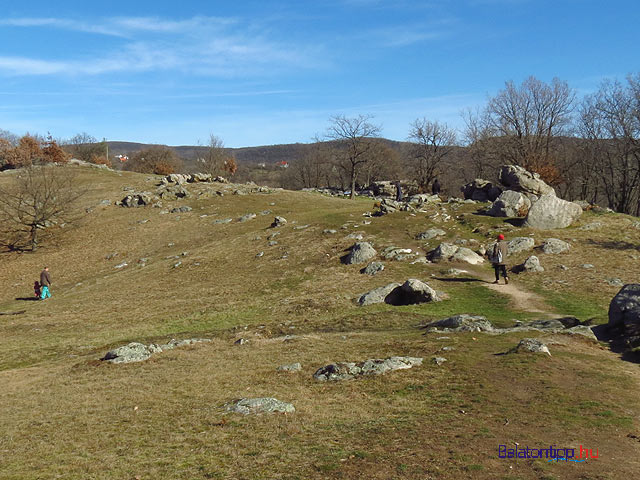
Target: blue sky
{"points": [[269, 72]]}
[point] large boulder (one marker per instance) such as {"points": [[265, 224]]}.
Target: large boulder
{"points": [[530, 345], [625, 307], [531, 264], [481, 191], [517, 178], [510, 204], [409, 293], [361, 252], [348, 370], [551, 212], [133, 352]]}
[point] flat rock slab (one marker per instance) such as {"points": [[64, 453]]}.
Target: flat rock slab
{"points": [[138, 352], [348, 370], [411, 292], [248, 406]]}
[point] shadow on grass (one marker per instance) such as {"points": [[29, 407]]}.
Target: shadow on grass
{"points": [[13, 313], [460, 280], [613, 245], [616, 342], [28, 299]]}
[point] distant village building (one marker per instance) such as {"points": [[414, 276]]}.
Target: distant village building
{"points": [[122, 158], [283, 164]]}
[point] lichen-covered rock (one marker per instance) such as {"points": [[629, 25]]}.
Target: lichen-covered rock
{"points": [[247, 406], [360, 252], [510, 204], [133, 352], [373, 268], [551, 212], [461, 323], [554, 245], [447, 251], [531, 264], [530, 345], [431, 233], [349, 370], [520, 244], [519, 179], [377, 295], [624, 314]]}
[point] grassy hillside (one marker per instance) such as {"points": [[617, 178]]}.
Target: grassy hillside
{"points": [[66, 414]]}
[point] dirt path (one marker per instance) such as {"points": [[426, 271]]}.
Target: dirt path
{"points": [[520, 299]]}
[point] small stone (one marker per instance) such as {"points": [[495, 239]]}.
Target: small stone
{"points": [[122, 265], [248, 406], [293, 367], [439, 360], [615, 282], [259, 254], [241, 341], [329, 231], [587, 266]]}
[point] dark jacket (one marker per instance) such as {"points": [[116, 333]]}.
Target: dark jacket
{"points": [[45, 279], [501, 247], [435, 188]]}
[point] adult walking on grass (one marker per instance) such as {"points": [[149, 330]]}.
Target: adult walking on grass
{"points": [[45, 283], [498, 257], [435, 187]]}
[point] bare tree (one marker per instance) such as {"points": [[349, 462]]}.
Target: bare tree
{"points": [[87, 148], [159, 160], [610, 123], [521, 125], [34, 199], [356, 137], [431, 142]]}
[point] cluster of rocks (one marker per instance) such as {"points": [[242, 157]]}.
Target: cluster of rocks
{"points": [[526, 196], [137, 199], [349, 370], [181, 178], [478, 323], [138, 352], [411, 292]]}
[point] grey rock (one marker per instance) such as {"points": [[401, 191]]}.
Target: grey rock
{"points": [[481, 190], [438, 360], [223, 221], [625, 306], [448, 349], [517, 178], [378, 295], [431, 233], [520, 244], [272, 243], [241, 341], [247, 217], [355, 236], [415, 291], [329, 231], [587, 266], [360, 252], [293, 367], [447, 251], [461, 323], [137, 200], [183, 209], [349, 370], [105, 202], [531, 264], [133, 352], [551, 212], [373, 268], [554, 246], [395, 253], [247, 406], [510, 204], [530, 345], [615, 282]]}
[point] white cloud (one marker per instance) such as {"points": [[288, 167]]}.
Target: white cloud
{"points": [[204, 45]]}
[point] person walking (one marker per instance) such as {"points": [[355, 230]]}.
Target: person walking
{"points": [[435, 187], [398, 192], [498, 258], [45, 283]]}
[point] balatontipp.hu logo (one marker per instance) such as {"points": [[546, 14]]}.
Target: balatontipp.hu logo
{"points": [[551, 454]]}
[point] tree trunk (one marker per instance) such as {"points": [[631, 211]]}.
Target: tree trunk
{"points": [[34, 238], [353, 182]]}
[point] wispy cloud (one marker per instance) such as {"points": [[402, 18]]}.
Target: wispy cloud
{"points": [[203, 45]]}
